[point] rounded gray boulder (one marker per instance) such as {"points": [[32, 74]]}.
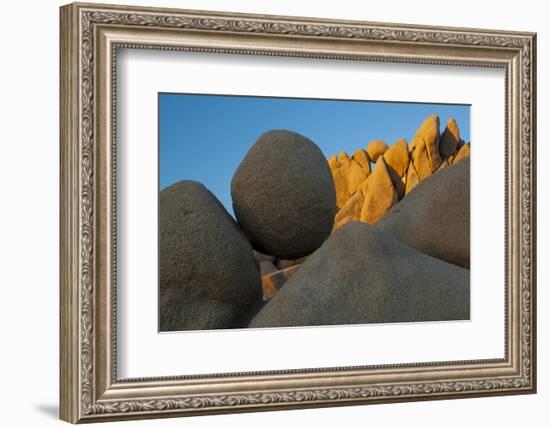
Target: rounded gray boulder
{"points": [[434, 218], [283, 195], [364, 275], [209, 278]]}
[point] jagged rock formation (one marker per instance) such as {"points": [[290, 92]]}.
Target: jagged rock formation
{"points": [[283, 195], [366, 194], [348, 174]]}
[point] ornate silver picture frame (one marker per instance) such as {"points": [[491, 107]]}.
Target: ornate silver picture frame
{"points": [[91, 35]]}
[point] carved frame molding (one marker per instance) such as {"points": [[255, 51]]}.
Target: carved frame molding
{"points": [[90, 37]]}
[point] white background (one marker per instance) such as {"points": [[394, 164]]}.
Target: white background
{"points": [[29, 174], [145, 353]]}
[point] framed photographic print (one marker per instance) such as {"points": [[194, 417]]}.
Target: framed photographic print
{"points": [[265, 212]]}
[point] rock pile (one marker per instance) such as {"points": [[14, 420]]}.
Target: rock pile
{"points": [[319, 243], [210, 277], [364, 194]]}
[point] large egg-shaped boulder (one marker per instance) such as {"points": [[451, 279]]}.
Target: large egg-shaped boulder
{"points": [[209, 277], [283, 195]]}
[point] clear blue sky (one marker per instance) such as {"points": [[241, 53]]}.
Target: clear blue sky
{"points": [[205, 137]]}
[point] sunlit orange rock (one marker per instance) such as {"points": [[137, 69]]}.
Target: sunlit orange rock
{"points": [[462, 153], [355, 176], [397, 161], [412, 178], [361, 157], [340, 183], [420, 159], [365, 193], [348, 174], [424, 147], [376, 148], [379, 193], [351, 211]]}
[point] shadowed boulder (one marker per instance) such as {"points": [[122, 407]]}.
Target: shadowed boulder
{"points": [[364, 275], [434, 218], [283, 195], [450, 140], [263, 257], [209, 278]]}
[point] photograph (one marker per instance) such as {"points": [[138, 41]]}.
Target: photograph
{"points": [[295, 212], [272, 209]]}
